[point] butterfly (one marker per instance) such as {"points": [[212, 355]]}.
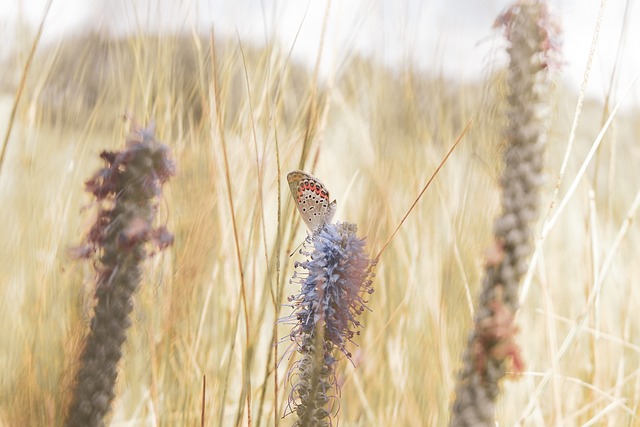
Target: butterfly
{"points": [[312, 199]]}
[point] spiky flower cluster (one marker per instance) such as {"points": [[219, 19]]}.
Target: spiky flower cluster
{"points": [[127, 189], [491, 347], [333, 281]]}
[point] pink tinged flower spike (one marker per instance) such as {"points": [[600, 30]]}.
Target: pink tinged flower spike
{"points": [[491, 347], [127, 191], [333, 281]]}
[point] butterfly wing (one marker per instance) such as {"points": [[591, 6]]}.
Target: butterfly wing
{"points": [[312, 199]]}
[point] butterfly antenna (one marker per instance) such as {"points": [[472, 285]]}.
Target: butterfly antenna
{"points": [[415, 202]]}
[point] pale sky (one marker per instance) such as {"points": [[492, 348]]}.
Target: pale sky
{"points": [[451, 37]]}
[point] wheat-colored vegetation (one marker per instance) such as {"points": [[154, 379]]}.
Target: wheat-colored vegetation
{"points": [[238, 118]]}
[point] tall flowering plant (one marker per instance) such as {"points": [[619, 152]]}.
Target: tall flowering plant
{"points": [[127, 189], [491, 347], [333, 280]]}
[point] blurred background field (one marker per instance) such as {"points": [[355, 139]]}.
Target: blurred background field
{"points": [[373, 134]]}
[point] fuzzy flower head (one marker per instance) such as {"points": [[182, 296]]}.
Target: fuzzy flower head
{"points": [[145, 163], [541, 29], [332, 283]]}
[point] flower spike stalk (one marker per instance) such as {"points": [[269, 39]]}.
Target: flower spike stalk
{"points": [[333, 280], [127, 190], [491, 348]]}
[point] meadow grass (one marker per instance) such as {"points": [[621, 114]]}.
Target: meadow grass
{"points": [[238, 118]]}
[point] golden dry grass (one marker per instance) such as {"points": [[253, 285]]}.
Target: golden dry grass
{"points": [[373, 136]]}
